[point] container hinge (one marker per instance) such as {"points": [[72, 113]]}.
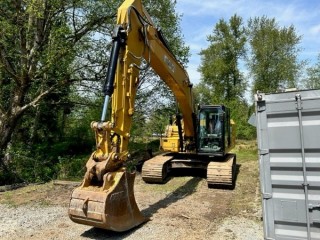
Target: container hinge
{"points": [[312, 207], [266, 195], [261, 103], [299, 101], [261, 106], [263, 151]]}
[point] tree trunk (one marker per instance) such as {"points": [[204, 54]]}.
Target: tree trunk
{"points": [[7, 126], [10, 119]]}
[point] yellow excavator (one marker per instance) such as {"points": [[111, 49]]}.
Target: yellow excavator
{"points": [[105, 199]]}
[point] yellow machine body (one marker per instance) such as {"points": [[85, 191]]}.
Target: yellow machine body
{"points": [[171, 141], [105, 198]]}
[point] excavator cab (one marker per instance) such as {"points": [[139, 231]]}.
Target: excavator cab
{"points": [[214, 135], [214, 138]]}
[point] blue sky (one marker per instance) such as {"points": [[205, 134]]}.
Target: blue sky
{"points": [[200, 16]]}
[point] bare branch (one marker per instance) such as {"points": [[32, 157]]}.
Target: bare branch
{"points": [[35, 101], [7, 65], [74, 19], [89, 26]]}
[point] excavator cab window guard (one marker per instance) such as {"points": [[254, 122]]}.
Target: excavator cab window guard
{"points": [[211, 130]]}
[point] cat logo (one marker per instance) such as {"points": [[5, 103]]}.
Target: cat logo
{"points": [[169, 63]]}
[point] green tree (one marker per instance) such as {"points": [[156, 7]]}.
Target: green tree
{"points": [[274, 55], [39, 42], [222, 81], [202, 93], [159, 119], [313, 76], [152, 91], [168, 20], [53, 59], [220, 61]]}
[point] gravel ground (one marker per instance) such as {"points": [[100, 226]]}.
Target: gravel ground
{"points": [[183, 208], [38, 222], [186, 209]]}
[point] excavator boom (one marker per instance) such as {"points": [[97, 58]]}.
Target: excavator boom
{"points": [[105, 198]]}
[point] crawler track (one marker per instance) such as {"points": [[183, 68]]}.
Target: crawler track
{"points": [[156, 169], [222, 173]]}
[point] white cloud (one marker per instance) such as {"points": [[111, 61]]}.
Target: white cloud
{"points": [[199, 18], [207, 7], [315, 30], [284, 11]]}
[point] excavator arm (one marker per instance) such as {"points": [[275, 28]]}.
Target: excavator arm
{"points": [[106, 199], [144, 41]]}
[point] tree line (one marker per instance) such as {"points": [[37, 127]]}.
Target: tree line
{"points": [[243, 58], [53, 60]]}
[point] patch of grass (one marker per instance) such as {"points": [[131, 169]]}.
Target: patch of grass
{"points": [[44, 202], [7, 198], [25, 195], [246, 151], [246, 200]]}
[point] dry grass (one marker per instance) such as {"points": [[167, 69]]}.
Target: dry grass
{"points": [[247, 195], [43, 194], [244, 200]]}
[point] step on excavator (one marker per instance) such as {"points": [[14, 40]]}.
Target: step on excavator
{"points": [[105, 199]]}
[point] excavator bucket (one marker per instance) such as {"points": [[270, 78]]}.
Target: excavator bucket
{"points": [[110, 206]]}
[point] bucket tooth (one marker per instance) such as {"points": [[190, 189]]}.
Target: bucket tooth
{"points": [[110, 206]]}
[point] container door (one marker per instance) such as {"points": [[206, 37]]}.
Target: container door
{"points": [[288, 127]]}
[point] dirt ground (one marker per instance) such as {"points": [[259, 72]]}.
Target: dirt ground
{"points": [[183, 208]]}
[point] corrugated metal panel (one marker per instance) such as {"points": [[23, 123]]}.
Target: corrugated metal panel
{"points": [[288, 128]]}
